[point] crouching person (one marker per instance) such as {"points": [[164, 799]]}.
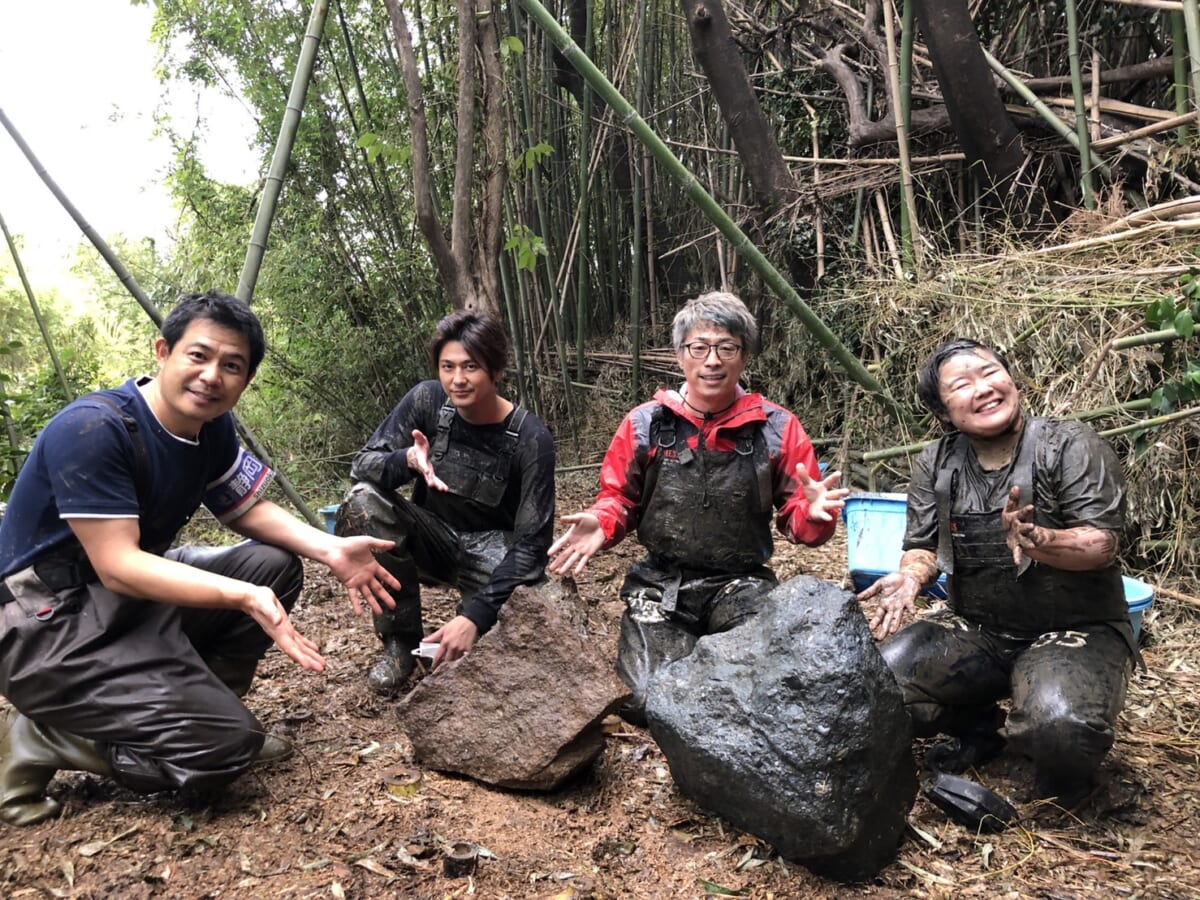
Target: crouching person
{"points": [[119, 656], [1023, 514], [700, 473], [481, 514]]}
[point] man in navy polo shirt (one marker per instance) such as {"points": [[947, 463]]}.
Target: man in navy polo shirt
{"points": [[119, 656]]}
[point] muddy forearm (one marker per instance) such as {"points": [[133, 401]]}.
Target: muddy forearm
{"points": [[1080, 549], [921, 565]]}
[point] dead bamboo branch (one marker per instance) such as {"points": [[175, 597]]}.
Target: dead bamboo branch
{"points": [[1160, 212], [1126, 137], [1176, 595]]}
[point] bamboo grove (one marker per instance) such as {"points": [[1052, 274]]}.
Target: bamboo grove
{"points": [[850, 166]]}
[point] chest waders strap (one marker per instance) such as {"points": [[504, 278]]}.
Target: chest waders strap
{"points": [[442, 439], [504, 453], [751, 442], [952, 454]]}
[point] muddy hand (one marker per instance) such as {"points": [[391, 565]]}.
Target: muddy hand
{"points": [[1019, 531], [896, 593]]}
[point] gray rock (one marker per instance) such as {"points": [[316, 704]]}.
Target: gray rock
{"points": [[523, 709], [791, 727]]}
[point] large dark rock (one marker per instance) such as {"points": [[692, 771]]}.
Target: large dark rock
{"points": [[791, 727], [523, 708]]}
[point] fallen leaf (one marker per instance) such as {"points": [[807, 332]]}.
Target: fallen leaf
{"points": [[371, 866]]}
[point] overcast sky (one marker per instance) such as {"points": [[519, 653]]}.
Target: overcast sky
{"points": [[77, 80]]}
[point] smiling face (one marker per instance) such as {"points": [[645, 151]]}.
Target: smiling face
{"points": [[712, 382], [468, 384], [980, 397], [200, 378]]}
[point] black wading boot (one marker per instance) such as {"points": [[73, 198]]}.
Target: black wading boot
{"points": [[394, 664], [980, 744], [30, 754]]}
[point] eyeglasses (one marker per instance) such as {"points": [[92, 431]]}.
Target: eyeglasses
{"points": [[726, 350]]}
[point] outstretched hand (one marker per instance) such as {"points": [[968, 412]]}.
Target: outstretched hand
{"points": [[577, 545], [264, 607], [352, 561], [897, 594], [419, 461], [825, 498]]}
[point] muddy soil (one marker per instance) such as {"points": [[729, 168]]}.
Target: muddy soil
{"points": [[352, 814]]}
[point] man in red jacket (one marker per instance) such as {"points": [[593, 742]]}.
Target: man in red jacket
{"points": [[699, 473]]}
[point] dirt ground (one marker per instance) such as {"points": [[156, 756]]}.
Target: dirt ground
{"points": [[352, 815]]}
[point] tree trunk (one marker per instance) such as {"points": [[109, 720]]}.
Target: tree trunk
{"points": [[467, 263], [977, 115], [753, 136]]}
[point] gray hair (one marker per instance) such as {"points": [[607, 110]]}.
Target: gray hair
{"points": [[719, 308]]}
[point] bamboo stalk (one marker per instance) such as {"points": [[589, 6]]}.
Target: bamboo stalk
{"points": [[709, 207], [1126, 137], [1165, 336], [1042, 109], [885, 223], [1115, 107], [581, 249], [909, 236], [1152, 422], [1179, 70], [1186, 224], [818, 218], [122, 273], [1081, 129], [37, 314], [273, 186], [1160, 212], [1191, 24]]}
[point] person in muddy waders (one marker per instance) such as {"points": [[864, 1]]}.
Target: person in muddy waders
{"points": [[119, 656], [699, 473], [481, 515], [1023, 515]]}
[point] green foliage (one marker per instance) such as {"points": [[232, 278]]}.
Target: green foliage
{"points": [[533, 156], [377, 146], [511, 45], [1181, 384], [527, 246]]}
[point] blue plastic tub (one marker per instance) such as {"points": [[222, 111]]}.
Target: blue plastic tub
{"points": [[330, 514], [875, 531], [1139, 596]]}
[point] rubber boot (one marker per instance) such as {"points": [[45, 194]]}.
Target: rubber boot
{"points": [[30, 754], [393, 666], [238, 675], [399, 629], [981, 743]]}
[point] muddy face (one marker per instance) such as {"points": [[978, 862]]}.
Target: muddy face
{"points": [[980, 397]]}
